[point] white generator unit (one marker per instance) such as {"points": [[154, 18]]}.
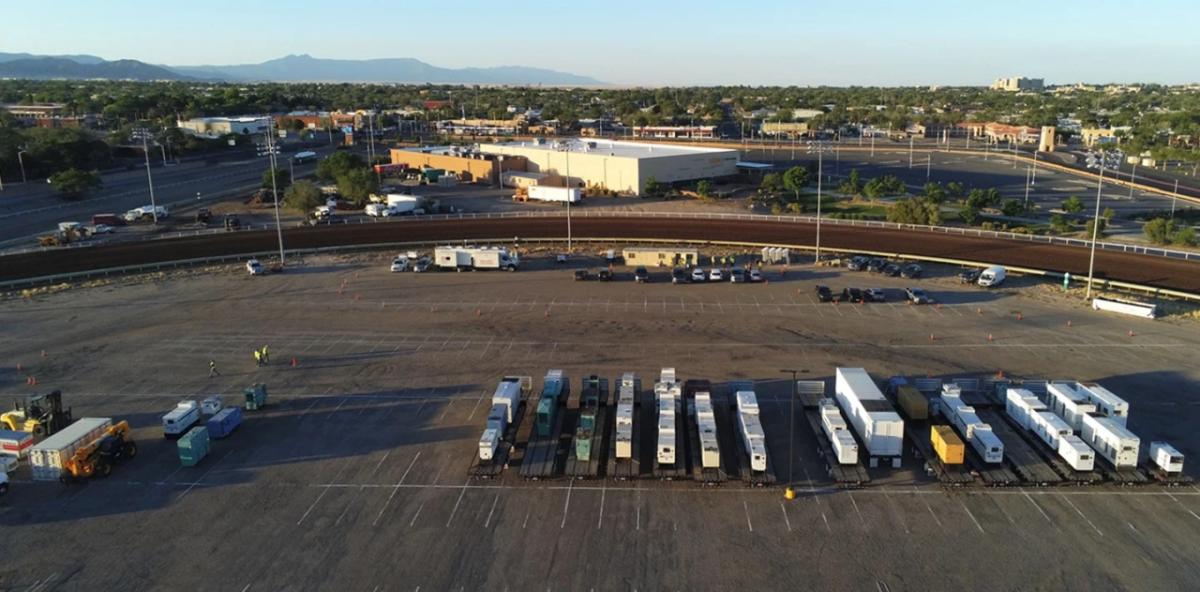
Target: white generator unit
{"points": [[497, 418], [838, 432], [1021, 404], [1111, 440], [475, 258], [1068, 403], [626, 395], [1077, 453], [873, 417], [211, 405], [706, 423], [180, 419], [508, 396], [1050, 428], [1107, 403], [977, 433], [667, 394], [488, 443], [750, 426], [1166, 457]]}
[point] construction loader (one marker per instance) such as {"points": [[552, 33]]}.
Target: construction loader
{"points": [[97, 458], [41, 415]]}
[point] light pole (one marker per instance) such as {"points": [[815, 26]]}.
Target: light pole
{"points": [[1033, 178], [270, 150], [791, 424], [928, 165], [1027, 184], [819, 147], [1132, 178], [1174, 197], [143, 134], [1093, 161], [21, 161], [567, 155], [910, 152]]}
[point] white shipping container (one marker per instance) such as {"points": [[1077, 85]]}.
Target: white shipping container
{"points": [[1111, 440], [754, 440], [488, 443], [836, 429], [1077, 453], [974, 431], [46, 457], [1020, 404], [1166, 457], [555, 194], [181, 418], [508, 395], [497, 418], [1068, 403], [706, 423], [747, 402], [1106, 402], [1050, 428], [872, 416], [987, 443]]}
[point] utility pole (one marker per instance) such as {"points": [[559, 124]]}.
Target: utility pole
{"points": [[910, 152], [1132, 178], [791, 425], [818, 146], [569, 187], [144, 135], [1104, 160], [1027, 184], [1174, 198], [271, 151], [928, 165]]}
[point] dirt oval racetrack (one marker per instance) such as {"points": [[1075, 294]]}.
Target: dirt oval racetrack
{"points": [[1140, 269]]}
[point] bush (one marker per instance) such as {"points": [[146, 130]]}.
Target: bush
{"points": [[704, 188], [1099, 229], [1060, 224], [968, 214], [1185, 237], [1012, 207], [338, 164], [303, 196], [1073, 205], [883, 186], [74, 183], [653, 187]]}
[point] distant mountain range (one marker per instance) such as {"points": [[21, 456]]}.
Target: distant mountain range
{"points": [[292, 68]]}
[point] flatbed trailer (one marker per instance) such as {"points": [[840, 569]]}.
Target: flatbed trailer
{"points": [[1168, 479], [949, 475], [487, 469], [541, 459], [594, 466], [1051, 457], [1018, 454], [1121, 476], [747, 475], [848, 476], [621, 469], [707, 476]]}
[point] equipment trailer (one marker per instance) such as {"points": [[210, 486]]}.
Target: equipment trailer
{"points": [[586, 455], [624, 444]]}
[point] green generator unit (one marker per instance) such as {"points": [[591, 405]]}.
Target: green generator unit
{"points": [[583, 442], [193, 446], [256, 397], [554, 391]]}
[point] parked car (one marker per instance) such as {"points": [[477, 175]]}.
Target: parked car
{"points": [[698, 275], [992, 276], [856, 295], [254, 267], [737, 276], [560, 258], [581, 275], [917, 296], [910, 271], [422, 264], [968, 276], [100, 229], [824, 294], [877, 264], [842, 296], [604, 275], [679, 275], [641, 275], [715, 275], [756, 276], [400, 264], [857, 263], [874, 295], [891, 270]]}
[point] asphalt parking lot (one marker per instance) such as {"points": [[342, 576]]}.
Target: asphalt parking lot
{"points": [[355, 476]]}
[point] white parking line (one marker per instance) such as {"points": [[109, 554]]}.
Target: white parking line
{"points": [[600, 520], [1077, 511], [492, 511], [457, 502], [396, 488], [377, 465], [746, 509], [345, 465], [968, 510], [857, 511], [786, 520], [476, 407], [414, 518], [567, 503]]}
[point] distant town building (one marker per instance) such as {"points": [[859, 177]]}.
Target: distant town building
{"points": [[805, 114], [1019, 83], [480, 127], [215, 127], [1046, 141], [1096, 135], [675, 131], [775, 129], [467, 163], [52, 115]]}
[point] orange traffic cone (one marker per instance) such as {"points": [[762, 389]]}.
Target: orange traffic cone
{"points": [[295, 362], [1131, 332], [1020, 316], [931, 337], [989, 337], [1068, 323], [33, 381]]}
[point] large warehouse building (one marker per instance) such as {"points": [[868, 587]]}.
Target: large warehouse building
{"points": [[618, 166]]}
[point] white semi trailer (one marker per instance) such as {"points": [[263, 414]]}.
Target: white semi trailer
{"points": [[470, 258], [751, 429], [873, 417]]}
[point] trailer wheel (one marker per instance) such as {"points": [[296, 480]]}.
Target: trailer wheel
{"points": [[130, 450]]}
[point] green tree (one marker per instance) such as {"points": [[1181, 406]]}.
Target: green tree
{"points": [[772, 183], [852, 185], [968, 214], [704, 188], [304, 196], [1012, 208], [1060, 224], [74, 183], [955, 190], [338, 164], [1100, 229], [935, 193], [357, 185], [1109, 213], [794, 180], [1072, 205], [1185, 237], [282, 178], [653, 187]]}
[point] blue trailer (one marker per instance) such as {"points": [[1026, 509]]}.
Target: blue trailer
{"points": [[224, 422]]}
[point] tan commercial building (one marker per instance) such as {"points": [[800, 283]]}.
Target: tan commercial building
{"points": [[1092, 135], [623, 167], [661, 256], [468, 165], [215, 127], [1019, 83], [785, 130]]}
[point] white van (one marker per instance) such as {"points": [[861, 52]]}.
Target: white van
{"points": [[180, 419], [992, 277]]}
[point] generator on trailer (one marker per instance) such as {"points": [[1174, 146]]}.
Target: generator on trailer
{"points": [[975, 431], [845, 448], [667, 395], [750, 426], [873, 417], [472, 258]]}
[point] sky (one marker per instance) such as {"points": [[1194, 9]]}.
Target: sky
{"points": [[647, 43]]}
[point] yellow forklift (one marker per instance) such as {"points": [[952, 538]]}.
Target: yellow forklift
{"points": [[97, 458], [41, 415]]}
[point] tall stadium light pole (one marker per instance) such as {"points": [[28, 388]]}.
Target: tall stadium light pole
{"points": [[567, 154], [1103, 160], [1174, 198], [1027, 185], [1033, 178], [791, 424], [819, 147], [143, 134], [270, 151], [21, 161], [1132, 178], [910, 151], [928, 165]]}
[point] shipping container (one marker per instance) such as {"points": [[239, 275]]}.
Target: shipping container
{"points": [[1020, 404], [224, 422], [193, 446], [488, 442], [624, 431], [913, 402], [14, 443], [497, 418], [977, 434], [554, 194], [873, 417], [1107, 403], [211, 405], [947, 444], [1076, 452], [1049, 428], [46, 457], [1068, 403], [180, 419], [667, 395], [987, 444], [1111, 440], [255, 396], [555, 389], [836, 429], [1166, 457]]}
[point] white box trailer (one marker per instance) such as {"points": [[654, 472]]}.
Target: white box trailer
{"points": [[1111, 440], [706, 423], [624, 431], [475, 258], [47, 457], [1077, 453], [555, 194], [838, 432], [508, 395], [987, 443], [873, 417], [1068, 403], [1020, 404], [977, 433], [1106, 402], [488, 443], [497, 418], [1050, 428], [751, 429], [1166, 457], [180, 419]]}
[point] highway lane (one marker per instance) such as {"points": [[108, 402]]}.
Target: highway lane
{"points": [[1148, 270]]}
